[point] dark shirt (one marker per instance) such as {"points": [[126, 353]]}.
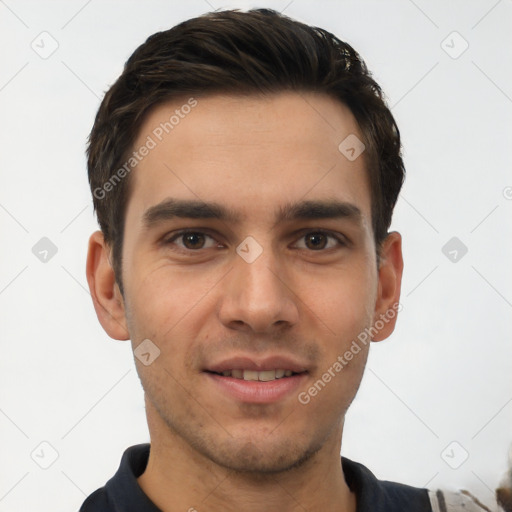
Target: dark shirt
{"points": [[122, 492]]}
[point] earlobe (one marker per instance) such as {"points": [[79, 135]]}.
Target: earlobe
{"points": [[390, 281], [105, 293]]}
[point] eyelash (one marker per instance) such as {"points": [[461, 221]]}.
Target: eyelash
{"points": [[341, 241]]}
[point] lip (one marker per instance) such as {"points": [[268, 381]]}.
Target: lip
{"points": [[250, 363], [257, 392]]}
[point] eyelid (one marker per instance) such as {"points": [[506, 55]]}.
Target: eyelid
{"points": [[170, 238], [341, 239]]}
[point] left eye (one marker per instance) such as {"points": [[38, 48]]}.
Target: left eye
{"points": [[318, 240], [193, 240]]}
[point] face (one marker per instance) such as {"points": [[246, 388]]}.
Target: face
{"points": [[248, 248]]}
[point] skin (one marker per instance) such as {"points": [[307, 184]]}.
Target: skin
{"points": [[252, 154]]}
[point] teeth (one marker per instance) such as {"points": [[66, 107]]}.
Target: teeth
{"points": [[263, 376], [250, 375], [266, 375]]}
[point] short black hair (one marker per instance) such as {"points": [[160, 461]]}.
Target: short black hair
{"points": [[256, 52]]}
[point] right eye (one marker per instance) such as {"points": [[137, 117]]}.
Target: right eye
{"points": [[192, 240]]}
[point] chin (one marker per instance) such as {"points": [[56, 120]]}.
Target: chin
{"points": [[252, 459]]}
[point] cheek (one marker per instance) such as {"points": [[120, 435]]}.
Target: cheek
{"points": [[170, 308], [163, 297], [342, 301], [329, 394]]}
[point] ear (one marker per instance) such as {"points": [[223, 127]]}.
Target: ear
{"points": [[390, 282], [106, 296]]}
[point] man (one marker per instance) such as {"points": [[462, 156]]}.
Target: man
{"points": [[244, 169]]}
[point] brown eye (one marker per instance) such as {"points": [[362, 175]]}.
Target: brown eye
{"points": [[316, 241], [320, 240], [193, 240]]}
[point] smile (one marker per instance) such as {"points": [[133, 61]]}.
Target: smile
{"points": [[262, 376], [257, 387]]}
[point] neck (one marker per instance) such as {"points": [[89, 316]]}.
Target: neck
{"points": [[179, 478]]}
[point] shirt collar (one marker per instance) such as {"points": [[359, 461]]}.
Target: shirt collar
{"points": [[372, 495]]}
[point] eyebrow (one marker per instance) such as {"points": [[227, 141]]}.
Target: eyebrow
{"points": [[194, 209], [324, 209], [188, 209]]}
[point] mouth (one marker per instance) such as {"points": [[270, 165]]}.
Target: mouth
{"points": [[245, 379], [255, 375], [256, 387]]}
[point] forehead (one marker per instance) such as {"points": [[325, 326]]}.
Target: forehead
{"points": [[251, 153]]}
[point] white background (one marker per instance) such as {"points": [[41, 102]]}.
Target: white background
{"points": [[443, 376]]}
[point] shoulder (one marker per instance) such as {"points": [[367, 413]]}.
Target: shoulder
{"points": [[96, 502], [122, 492], [375, 495]]}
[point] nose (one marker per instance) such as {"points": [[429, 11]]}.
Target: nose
{"points": [[258, 297]]}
